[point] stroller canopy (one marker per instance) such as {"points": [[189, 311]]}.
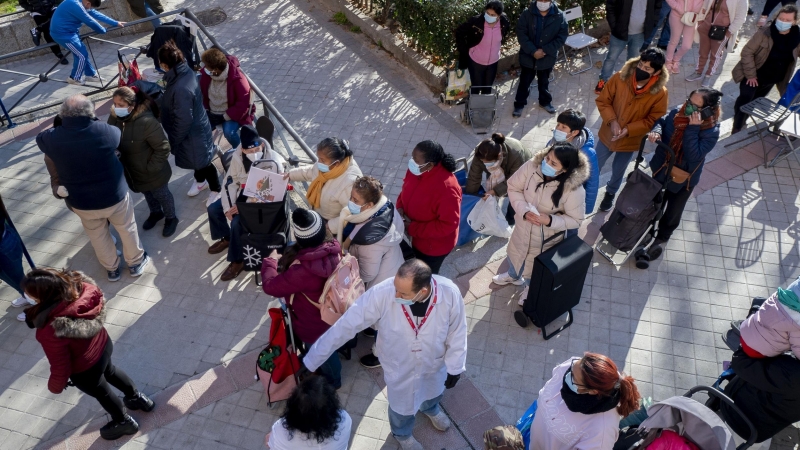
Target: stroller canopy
{"points": [[692, 420]]}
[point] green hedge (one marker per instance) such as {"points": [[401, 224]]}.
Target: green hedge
{"points": [[429, 25]]}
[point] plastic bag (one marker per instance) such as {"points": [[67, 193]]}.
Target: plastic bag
{"points": [[458, 84], [524, 424], [487, 218]]}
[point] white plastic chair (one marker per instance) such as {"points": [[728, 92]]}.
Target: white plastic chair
{"points": [[578, 41]]}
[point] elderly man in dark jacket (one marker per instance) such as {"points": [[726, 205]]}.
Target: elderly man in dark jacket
{"points": [[541, 32], [98, 196]]}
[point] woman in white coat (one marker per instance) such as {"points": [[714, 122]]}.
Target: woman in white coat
{"points": [[723, 19], [331, 179]]}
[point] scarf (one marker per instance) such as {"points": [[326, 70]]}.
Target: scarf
{"points": [[218, 92], [314, 193], [496, 174], [680, 123], [646, 87], [345, 217], [789, 299]]}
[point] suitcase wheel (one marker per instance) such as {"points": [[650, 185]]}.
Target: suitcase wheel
{"points": [[521, 319]]}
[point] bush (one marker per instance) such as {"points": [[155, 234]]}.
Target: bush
{"points": [[429, 25]]}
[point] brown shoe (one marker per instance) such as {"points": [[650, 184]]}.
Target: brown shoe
{"points": [[233, 271], [219, 246]]}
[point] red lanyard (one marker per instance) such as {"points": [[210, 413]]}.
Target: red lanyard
{"points": [[410, 322]]}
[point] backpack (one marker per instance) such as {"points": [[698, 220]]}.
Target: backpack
{"points": [[341, 290]]}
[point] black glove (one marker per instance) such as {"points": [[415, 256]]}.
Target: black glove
{"points": [[451, 381]]}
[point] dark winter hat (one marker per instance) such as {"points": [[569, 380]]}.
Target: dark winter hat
{"points": [[249, 136], [308, 227]]}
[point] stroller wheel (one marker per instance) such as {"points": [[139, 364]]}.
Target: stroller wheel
{"points": [[521, 319], [655, 252], [642, 258]]}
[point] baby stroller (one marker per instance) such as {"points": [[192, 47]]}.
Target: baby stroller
{"points": [[636, 213], [688, 418], [480, 108]]}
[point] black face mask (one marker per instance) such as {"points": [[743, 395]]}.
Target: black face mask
{"points": [[588, 403], [642, 75]]}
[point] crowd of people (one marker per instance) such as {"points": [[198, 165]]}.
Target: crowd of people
{"points": [[416, 316]]}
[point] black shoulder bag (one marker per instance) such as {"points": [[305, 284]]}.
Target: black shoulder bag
{"points": [[716, 32]]}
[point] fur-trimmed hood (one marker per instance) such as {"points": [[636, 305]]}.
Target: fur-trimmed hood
{"points": [[578, 177], [80, 319], [140, 109], [629, 70]]}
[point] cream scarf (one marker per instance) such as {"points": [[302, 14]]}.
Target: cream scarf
{"points": [[218, 92], [346, 217], [496, 174]]}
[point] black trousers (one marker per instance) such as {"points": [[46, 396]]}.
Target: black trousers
{"points": [[95, 382], [41, 19], [480, 75], [746, 95], [676, 203], [208, 173], [524, 88], [435, 262], [510, 214]]}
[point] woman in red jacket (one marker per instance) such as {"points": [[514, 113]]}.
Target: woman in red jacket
{"points": [[430, 203], [68, 317], [226, 94], [299, 277]]}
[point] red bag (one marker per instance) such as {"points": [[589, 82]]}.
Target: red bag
{"points": [[670, 440], [128, 70], [278, 362]]}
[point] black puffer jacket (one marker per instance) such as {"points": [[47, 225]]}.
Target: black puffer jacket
{"points": [[534, 32], [470, 33], [185, 120], [618, 14], [43, 7], [767, 391]]}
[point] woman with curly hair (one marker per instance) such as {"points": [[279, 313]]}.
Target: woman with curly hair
{"points": [[313, 419]]}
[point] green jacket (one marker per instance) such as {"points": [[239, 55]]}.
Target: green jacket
{"points": [[514, 156], [144, 149]]}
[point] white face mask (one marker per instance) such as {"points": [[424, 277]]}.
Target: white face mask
{"points": [[489, 19], [559, 136], [205, 69], [489, 165], [254, 156], [543, 6]]}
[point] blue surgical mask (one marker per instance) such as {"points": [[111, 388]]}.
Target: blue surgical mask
{"points": [[559, 136], [570, 383], [27, 297], [489, 165], [548, 170], [121, 112], [403, 301], [782, 26], [415, 168], [354, 209], [323, 168], [489, 19], [205, 69]]}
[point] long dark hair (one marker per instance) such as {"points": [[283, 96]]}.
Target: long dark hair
{"points": [[313, 409], [51, 286], [291, 252], [567, 155], [433, 152]]}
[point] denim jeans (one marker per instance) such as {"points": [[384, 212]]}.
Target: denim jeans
{"points": [[618, 167], [665, 33], [615, 48], [150, 13], [517, 274], [231, 131], [220, 230], [402, 426], [11, 271]]}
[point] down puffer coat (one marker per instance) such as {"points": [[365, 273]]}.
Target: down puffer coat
{"points": [[524, 192], [185, 120], [143, 148], [376, 246], [756, 52]]}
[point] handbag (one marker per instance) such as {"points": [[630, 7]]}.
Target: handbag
{"points": [[716, 32], [677, 175], [688, 18]]}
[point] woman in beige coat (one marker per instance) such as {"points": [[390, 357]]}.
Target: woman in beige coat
{"points": [[548, 197], [331, 179]]}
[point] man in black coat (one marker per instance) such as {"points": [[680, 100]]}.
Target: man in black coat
{"points": [[42, 11], [541, 32], [630, 22]]}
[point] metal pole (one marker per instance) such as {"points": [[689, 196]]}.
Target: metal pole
{"points": [[11, 123]]}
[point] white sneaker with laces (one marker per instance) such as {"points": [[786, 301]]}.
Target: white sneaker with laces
{"points": [[440, 421], [212, 197], [21, 317], [196, 188], [20, 302], [502, 279], [522, 296], [94, 79], [409, 443]]}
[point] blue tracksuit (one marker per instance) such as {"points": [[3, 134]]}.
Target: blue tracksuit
{"points": [[64, 28]]}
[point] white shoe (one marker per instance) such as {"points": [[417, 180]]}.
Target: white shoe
{"points": [[21, 317], [504, 278], [522, 296], [20, 302], [94, 79], [410, 443], [71, 80], [212, 197], [196, 188], [440, 421]]}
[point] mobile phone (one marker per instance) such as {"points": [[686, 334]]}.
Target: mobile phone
{"points": [[706, 112]]}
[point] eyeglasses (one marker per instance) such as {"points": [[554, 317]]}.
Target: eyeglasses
{"points": [[572, 380]]}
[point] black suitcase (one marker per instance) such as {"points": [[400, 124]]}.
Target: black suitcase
{"points": [[556, 284]]}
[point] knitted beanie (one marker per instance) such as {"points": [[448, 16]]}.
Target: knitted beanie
{"points": [[308, 227]]}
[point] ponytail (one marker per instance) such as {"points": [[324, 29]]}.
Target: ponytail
{"points": [[628, 396], [433, 153], [170, 54]]}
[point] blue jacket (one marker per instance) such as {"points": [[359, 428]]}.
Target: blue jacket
{"points": [[534, 32], [592, 184], [84, 152], [791, 90], [69, 17], [696, 145]]}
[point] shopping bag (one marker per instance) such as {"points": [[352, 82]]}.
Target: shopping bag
{"points": [[128, 70], [524, 424], [487, 218], [465, 232], [458, 84]]}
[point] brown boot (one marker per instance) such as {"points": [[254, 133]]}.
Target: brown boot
{"points": [[219, 246], [232, 271]]}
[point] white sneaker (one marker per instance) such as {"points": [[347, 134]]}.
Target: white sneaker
{"points": [[71, 80], [21, 317], [94, 79], [440, 421], [522, 296], [694, 76], [196, 188], [410, 443], [504, 278], [20, 302], [212, 197]]}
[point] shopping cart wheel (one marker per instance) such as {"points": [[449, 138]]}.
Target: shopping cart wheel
{"points": [[521, 319], [441, 98]]}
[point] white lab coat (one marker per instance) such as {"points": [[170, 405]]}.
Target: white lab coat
{"points": [[411, 377]]}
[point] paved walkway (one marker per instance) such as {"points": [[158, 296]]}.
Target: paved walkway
{"points": [[190, 339]]}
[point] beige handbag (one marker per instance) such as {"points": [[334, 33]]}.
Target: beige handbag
{"points": [[688, 18]]}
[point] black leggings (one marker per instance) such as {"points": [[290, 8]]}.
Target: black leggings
{"points": [[43, 24], [480, 75], [676, 203], [95, 382], [434, 262], [208, 173], [771, 4]]}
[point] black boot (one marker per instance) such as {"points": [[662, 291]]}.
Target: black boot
{"points": [[170, 225], [152, 220], [370, 361], [139, 401], [607, 203], [115, 430]]}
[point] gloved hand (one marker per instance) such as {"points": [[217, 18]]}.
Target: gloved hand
{"points": [[451, 381]]}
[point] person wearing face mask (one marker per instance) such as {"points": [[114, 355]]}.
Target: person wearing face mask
{"points": [[186, 123], [226, 94], [571, 127], [692, 131], [144, 153], [630, 103], [548, 197], [430, 203], [252, 148], [498, 158], [580, 407], [331, 179], [422, 343], [479, 40], [768, 59]]}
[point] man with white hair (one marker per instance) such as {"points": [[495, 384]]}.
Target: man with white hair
{"points": [[83, 151]]}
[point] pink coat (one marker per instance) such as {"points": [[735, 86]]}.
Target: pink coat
{"points": [[773, 329], [679, 6]]}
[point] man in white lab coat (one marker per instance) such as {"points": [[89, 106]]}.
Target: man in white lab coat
{"points": [[422, 343]]}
